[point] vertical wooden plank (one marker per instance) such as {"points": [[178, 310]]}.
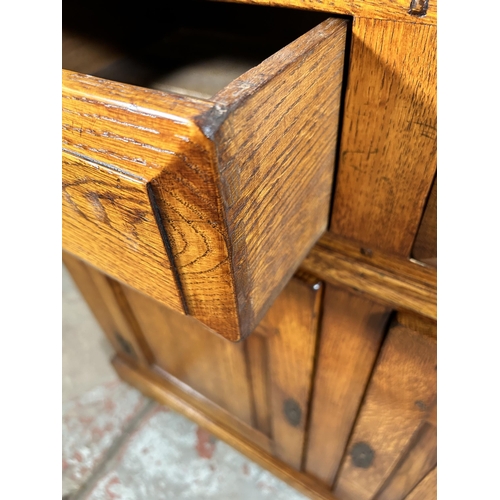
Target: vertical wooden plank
{"points": [[106, 301], [292, 324], [425, 246], [415, 465], [129, 334], [351, 332], [388, 145], [189, 351], [258, 362], [78, 270], [426, 489], [400, 395]]}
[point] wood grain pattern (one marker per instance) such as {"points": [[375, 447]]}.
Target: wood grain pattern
{"points": [[152, 140], [421, 324], [351, 333], [276, 156], [397, 10], [191, 353], [79, 273], [420, 459], [114, 299], [401, 392], [208, 187], [388, 144], [199, 402], [252, 380], [425, 246], [396, 282], [209, 206], [292, 323], [108, 221], [426, 489], [109, 308], [170, 395]]}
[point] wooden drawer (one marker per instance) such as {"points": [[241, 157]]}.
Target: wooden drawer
{"points": [[209, 204]]}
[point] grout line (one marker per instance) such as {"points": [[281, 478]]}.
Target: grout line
{"points": [[104, 465]]}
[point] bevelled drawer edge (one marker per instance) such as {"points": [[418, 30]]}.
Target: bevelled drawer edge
{"points": [[151, 142], [239, 188]]}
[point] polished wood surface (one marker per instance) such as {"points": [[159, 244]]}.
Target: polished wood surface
{"points": [[290, 332], [397, 282], [105, 299], [315, 379], [388, 147], [400, 395], [187, 350], [257, 359], [195, 190], [419, 460], [418, 323], [108, 216], [351, 334], [255, 381], [277, 205], [397, 10]]}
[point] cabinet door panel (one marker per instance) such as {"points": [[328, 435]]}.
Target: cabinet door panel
{"points": [[189, 351], [399, 399], [420, 459], [290, 329], [351, 333]]}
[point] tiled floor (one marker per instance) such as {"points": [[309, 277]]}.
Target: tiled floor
{"points": [[119, 445]]}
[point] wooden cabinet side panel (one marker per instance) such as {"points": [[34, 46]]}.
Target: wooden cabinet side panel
{"points": [[351, 333], [104, 298], [388, 144], [399, 398], [187, 350]]}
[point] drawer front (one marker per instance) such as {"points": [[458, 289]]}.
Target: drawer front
{"points": [[125, 164], [208, 206]]}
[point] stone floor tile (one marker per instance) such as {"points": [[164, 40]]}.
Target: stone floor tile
{"points": [[90, 425], [170, 457]]}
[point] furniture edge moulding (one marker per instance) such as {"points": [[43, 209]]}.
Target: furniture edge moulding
{"points": [[408, 11]]}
